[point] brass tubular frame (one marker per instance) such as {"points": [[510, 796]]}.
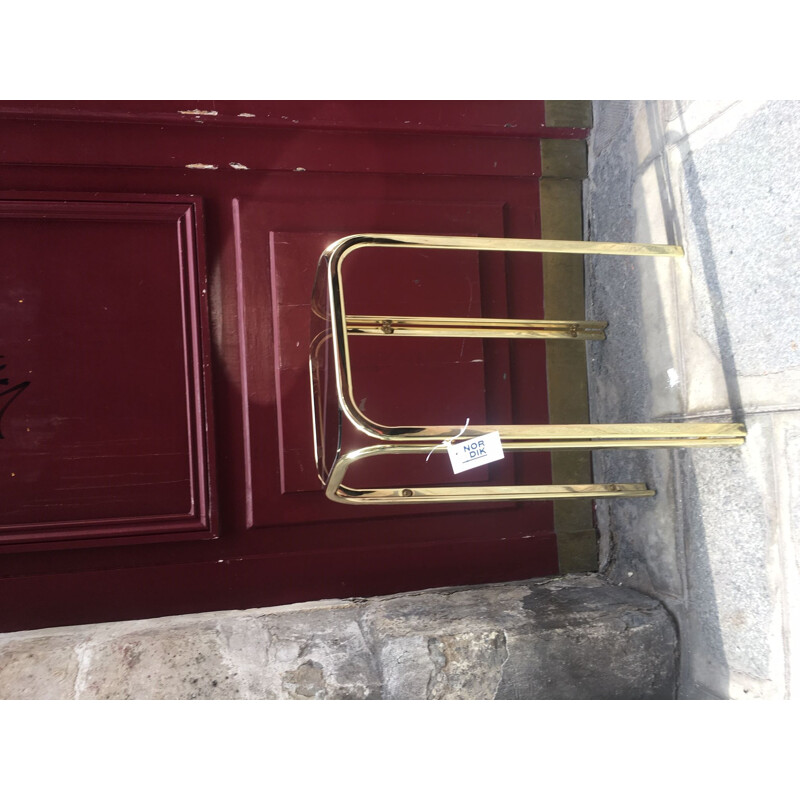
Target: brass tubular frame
{"points": [[406, 439], [473, 327]]}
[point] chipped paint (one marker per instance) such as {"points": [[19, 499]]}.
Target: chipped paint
{"points": [[237, 165], [299, 169], [245, 114], [198, 113], [201, 166]]}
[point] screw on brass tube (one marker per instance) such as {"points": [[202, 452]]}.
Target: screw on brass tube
{"points": [[407, 493], [386, 326]]}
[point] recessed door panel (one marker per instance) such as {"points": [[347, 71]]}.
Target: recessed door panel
{"points": [[431, 381], [101, 321]]}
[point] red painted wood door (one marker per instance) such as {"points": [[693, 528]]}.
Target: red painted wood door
{"points": [[156, 263]]}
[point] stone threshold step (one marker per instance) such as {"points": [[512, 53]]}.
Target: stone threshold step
{"points": [[571, 637]]}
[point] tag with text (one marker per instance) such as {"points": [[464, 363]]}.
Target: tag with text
{"points": [[475, 452]]}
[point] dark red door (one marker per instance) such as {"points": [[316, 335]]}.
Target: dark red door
{"points": [[156, 264]]}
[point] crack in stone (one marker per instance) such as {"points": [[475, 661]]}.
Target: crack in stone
{"points": [[438, 680], [504, 634], [83, 652], [370, 647]]}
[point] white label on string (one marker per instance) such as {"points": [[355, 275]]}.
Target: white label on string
{"points": [[475, 452]]}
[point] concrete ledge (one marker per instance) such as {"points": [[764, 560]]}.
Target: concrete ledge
{"points": [[576, 637]]}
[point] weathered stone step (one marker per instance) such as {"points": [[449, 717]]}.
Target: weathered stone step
{"points": [[574, 637]]}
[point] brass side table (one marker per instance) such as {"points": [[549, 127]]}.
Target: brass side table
{"points": [[333, 404]]}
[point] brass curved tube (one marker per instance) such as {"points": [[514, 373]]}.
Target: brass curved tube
{"points": [[329, 293]]}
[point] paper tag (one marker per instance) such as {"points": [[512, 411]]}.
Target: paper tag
{"points": [[475, 452]]}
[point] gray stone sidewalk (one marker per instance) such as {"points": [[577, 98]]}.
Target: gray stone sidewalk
{"points": [[711, 337]]}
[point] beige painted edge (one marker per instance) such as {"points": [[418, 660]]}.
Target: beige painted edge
{"points": [[577, 551], [567, 378], [564, 158], [568, 113]]}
